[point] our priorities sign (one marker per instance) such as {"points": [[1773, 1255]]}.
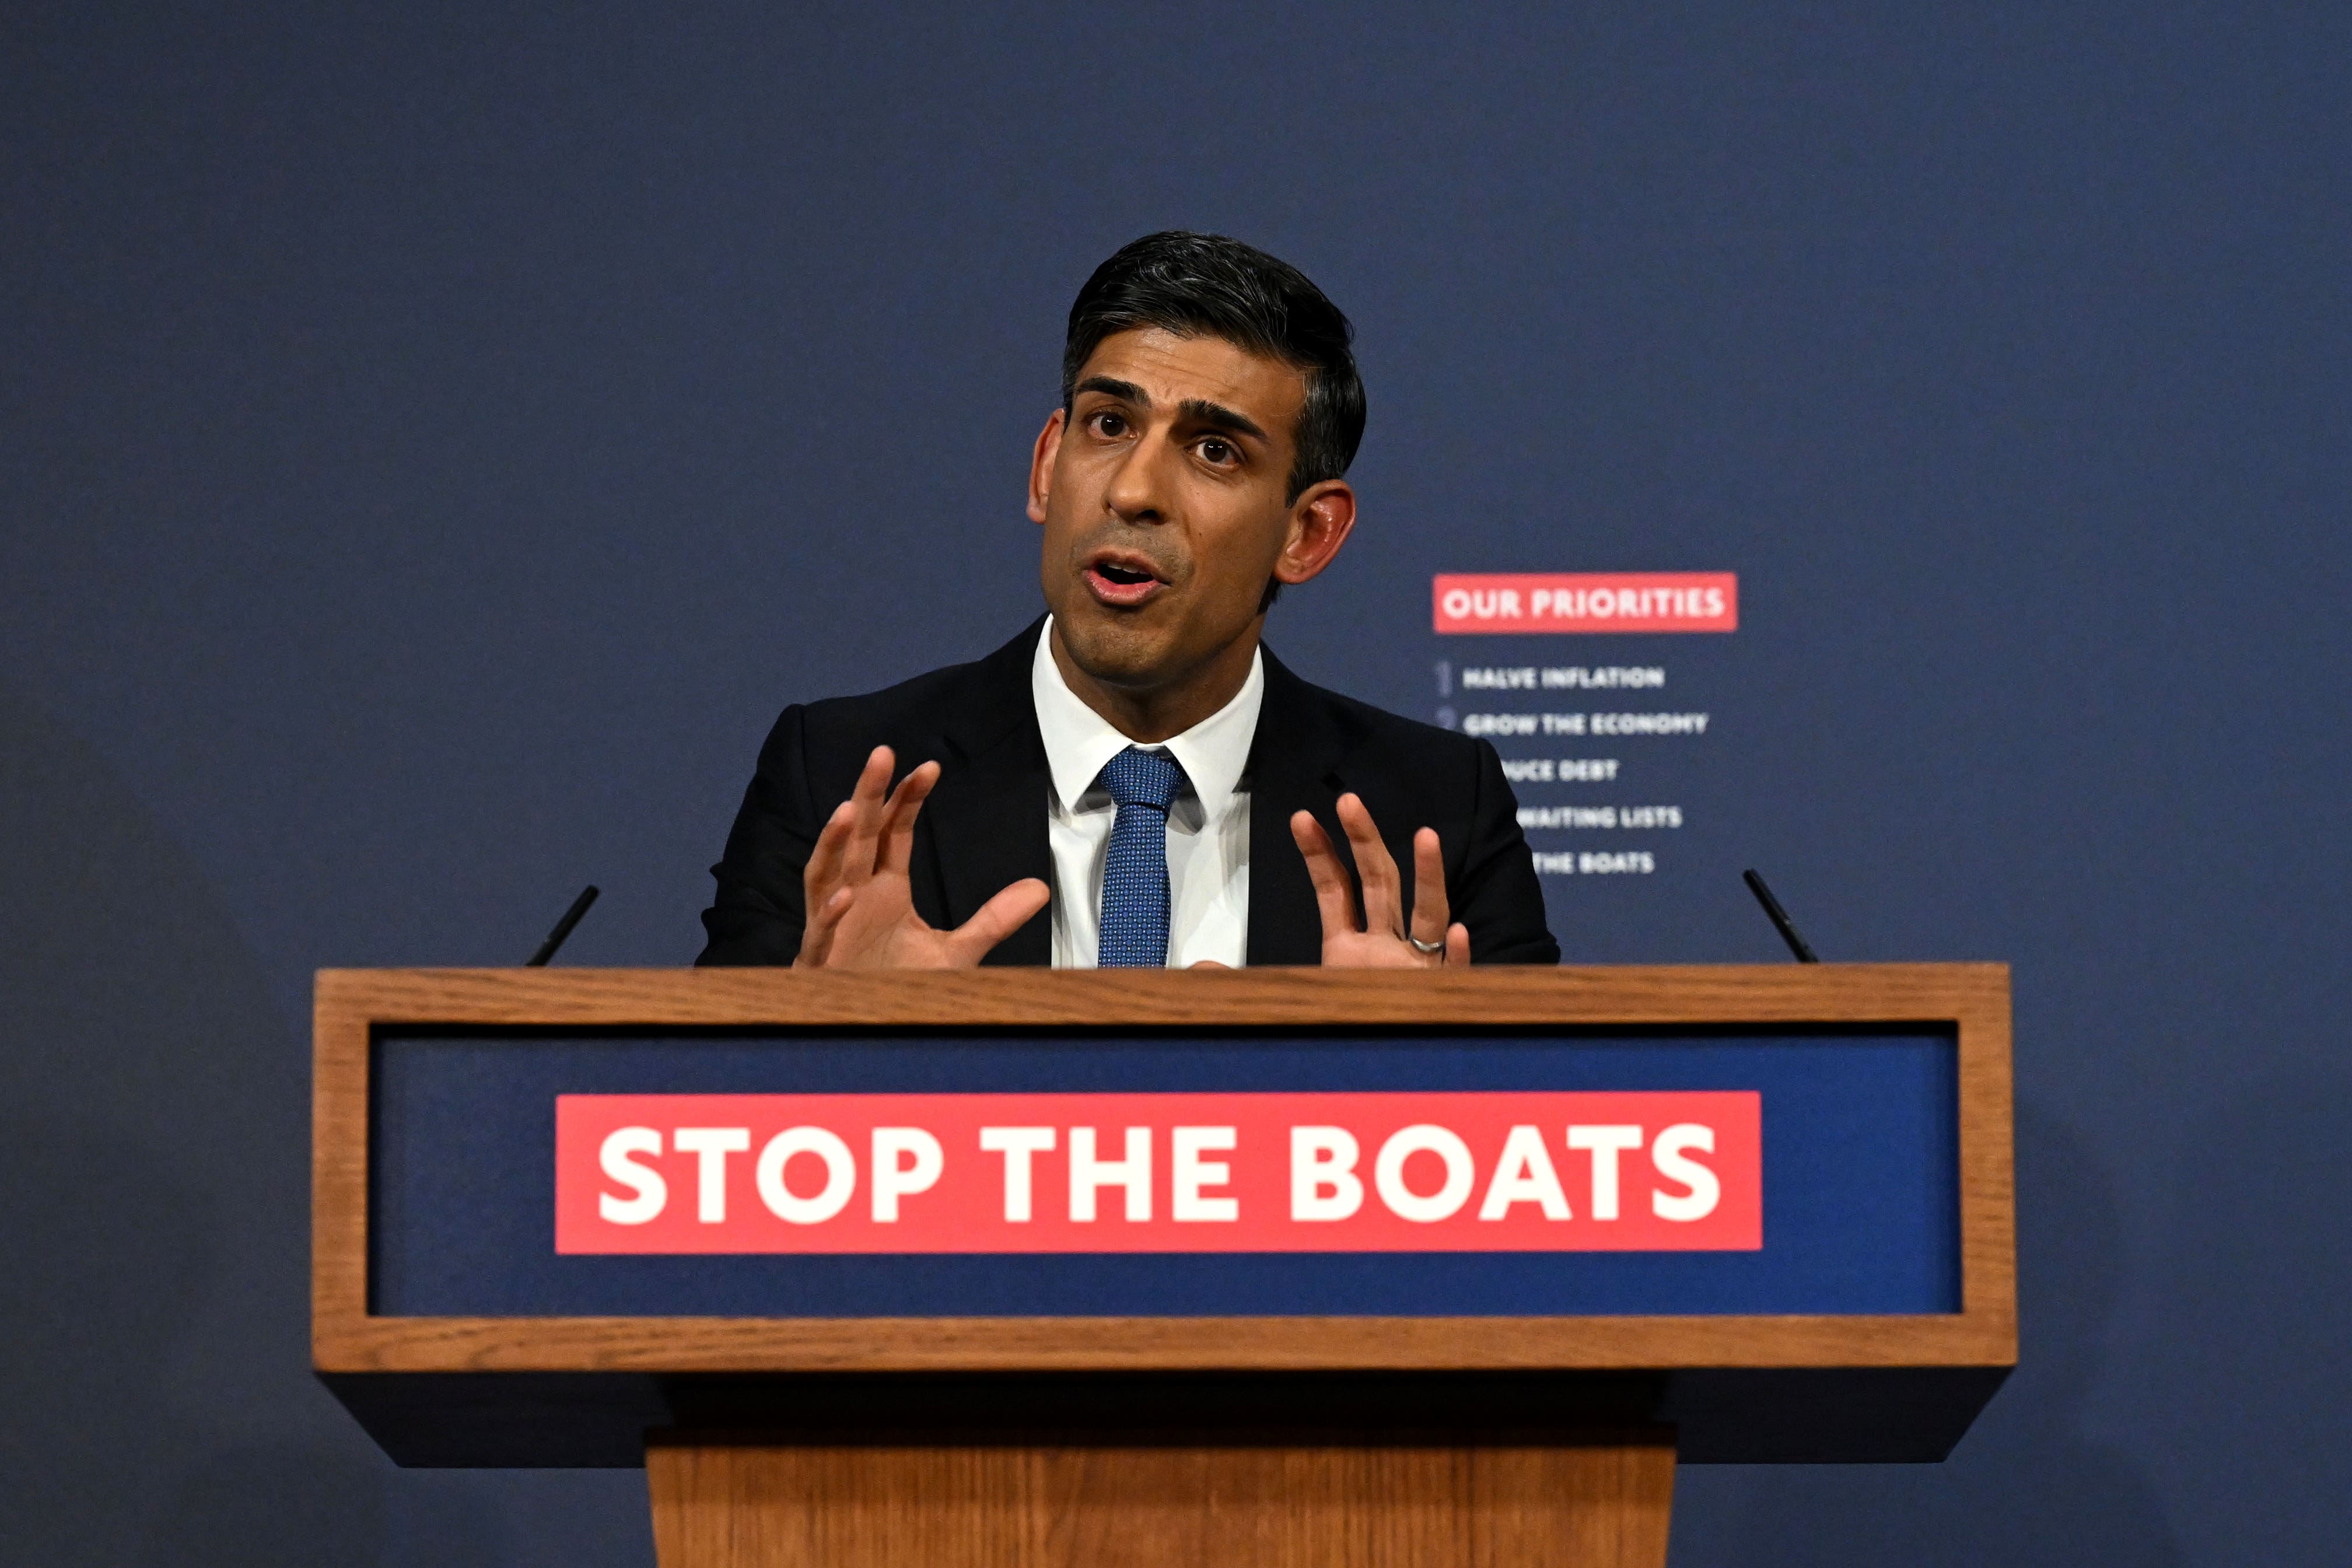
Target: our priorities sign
{"points": [[1520, 602]]}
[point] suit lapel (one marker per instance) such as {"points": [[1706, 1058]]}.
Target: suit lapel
{"points": [[986, 827], [1294, 763], [987, 818]]}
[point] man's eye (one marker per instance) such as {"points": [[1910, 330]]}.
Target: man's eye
{"points": [[1217, 451], [1110, 424]]}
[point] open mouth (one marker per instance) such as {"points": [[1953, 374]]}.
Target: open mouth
{"points": [[1122, 581]]}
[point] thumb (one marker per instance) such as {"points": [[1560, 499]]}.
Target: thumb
{"points": [[1012, 909], [1458, 945]]}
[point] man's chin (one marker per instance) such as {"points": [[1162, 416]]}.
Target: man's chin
{"points": [[1117, 648]]}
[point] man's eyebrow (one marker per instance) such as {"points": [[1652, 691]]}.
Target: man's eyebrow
{"points": [[1199, 410], [1125, 390], [1218, 417]]}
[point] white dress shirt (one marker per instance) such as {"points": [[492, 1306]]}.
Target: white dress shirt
{"points": [[1208, 825]]}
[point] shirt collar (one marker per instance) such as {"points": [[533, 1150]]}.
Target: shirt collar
{"points": [[1079, 741]]}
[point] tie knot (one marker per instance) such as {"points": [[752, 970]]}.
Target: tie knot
{"points": [[1138, 777]]}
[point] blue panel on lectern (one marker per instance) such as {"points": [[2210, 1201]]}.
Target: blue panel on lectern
{"points": [[1860, 1162]]}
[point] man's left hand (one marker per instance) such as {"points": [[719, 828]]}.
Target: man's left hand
{"points": [[1381, 941]]}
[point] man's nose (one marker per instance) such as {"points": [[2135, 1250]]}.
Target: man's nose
{"points": [[1139, 489]]}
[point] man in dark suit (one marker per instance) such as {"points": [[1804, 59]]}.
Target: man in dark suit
{"points": [[1134, 778]]}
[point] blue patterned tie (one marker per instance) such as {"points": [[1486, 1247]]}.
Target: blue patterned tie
{"points": [[1134, 932]]}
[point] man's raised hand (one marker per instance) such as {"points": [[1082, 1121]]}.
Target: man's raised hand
{"points": [[1380, 941], [861, 905]]}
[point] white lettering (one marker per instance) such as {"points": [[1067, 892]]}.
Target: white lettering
{"points": [[1575, 724], [711, 1146], [1608, 676], [892, 1180], [1605, 1143], [1323, 1157], [1648, 724], [1639, 861], [1666, 1155], [615, 1157], [1088, 1174], [1189, 1173], [1558, 817], [1534, 818], [1477, 677], [1016, 1145], [1424, 1137], [1523, 1175], [840, 1175]]}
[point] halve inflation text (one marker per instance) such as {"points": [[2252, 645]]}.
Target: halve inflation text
{"points": [[1453, 1171]]}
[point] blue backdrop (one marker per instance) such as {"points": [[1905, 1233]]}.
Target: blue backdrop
{"points": [[435, 440]]}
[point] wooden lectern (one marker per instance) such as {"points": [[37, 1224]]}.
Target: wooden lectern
{"points": [[1163, 1269]]}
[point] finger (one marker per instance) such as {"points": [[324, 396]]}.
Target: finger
{"points": [[1012, 909], [1430, 913], [1375, 869], [1332, 895], [868, 802], [1207, 964], [1457, 945], [899, 829], [825, 922], [822, 875]]}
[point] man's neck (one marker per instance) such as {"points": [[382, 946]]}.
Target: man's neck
{"points": [[1150, 715]]}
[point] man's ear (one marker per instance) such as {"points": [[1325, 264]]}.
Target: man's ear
{"points": [[1320, 521], [1041, 465]]}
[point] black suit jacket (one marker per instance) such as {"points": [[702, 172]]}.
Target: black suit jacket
{"points": [[984, 825]]}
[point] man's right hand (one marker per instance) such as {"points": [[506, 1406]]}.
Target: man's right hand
{"points": [[861, 905]]}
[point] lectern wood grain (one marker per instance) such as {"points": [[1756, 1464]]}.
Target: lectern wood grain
{"points": [[1599, 1504], [776, 1459], [1973, 997]]}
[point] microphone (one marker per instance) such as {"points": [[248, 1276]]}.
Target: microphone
{"points": [[1772, 909], [564, 927]]}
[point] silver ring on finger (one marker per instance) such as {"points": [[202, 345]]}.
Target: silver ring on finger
{"points": [[1427, 949]]}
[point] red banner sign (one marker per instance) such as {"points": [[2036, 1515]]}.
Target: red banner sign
{"points": [[1678, 1170], [1587, 602]]}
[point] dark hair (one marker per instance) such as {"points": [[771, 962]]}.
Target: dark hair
{"points": [[1206, 285]]}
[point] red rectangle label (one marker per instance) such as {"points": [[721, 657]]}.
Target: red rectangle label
{"points": [[1587, 602], [1508, 1171]]}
